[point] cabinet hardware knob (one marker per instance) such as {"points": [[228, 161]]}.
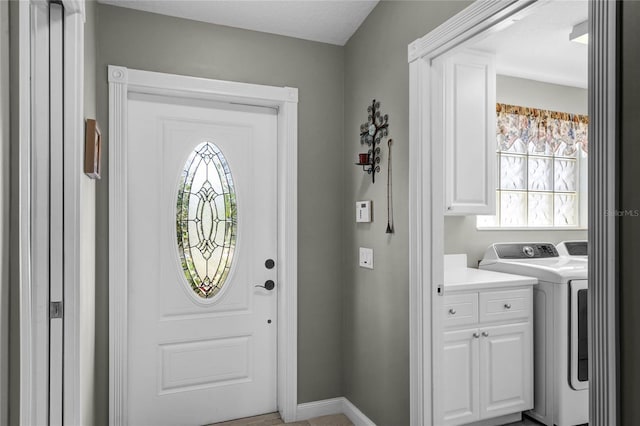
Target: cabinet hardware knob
{"points": [[452, 311], [476, 335], [507, 305], [485, 334]]}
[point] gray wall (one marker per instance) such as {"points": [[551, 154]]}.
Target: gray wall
{"points": [[461, 235], [629, 227], [153, 42], [376, 302]]}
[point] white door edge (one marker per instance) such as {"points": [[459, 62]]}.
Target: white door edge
{"points": [[27, 323], [122, 82], [73, 215], [4, 215], [426, 183], [34, 221]]}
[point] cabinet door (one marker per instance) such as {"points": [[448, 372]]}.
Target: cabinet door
{"points": [[469, 132], [506, 369], [459, 379]]}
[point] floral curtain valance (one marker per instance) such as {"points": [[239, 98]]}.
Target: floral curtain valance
{"points": [[541, 132]]}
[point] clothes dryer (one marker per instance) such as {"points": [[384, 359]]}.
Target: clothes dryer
{"points": [[577, 249]]}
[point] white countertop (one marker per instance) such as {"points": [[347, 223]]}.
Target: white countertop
{"points": [[458, 277]]}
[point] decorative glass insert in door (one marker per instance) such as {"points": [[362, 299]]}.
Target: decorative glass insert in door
{"points": [[206, 220]]}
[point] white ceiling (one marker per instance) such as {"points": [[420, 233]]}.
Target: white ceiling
{"points": [[327, 21], [537, 46]]}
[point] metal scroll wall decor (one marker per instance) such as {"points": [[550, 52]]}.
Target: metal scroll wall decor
{"points": [[371, 134]]}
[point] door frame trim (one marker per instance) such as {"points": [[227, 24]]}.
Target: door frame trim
{"points": [[124, 81], [4, 214], [426, 205], [77, 282], [32, 293]]}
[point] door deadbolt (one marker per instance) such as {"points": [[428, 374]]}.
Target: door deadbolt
{"points": [[269, 263]]}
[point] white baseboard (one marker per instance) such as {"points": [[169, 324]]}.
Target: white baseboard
{"points": [[355, 415], [327, 407]]}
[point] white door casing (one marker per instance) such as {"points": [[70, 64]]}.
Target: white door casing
{"points": [[31, 135], [56, 210], [123, 83], [4, 216], [197, 360]]}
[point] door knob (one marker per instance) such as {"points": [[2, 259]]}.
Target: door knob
{"points": [[476, 335], [269, 285], [485, 334]]}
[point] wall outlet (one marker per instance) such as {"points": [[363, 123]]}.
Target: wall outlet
{"points": [[363, 211], [366, 258]]}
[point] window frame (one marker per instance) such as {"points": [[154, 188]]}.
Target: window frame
{"points": [[581, 194]]}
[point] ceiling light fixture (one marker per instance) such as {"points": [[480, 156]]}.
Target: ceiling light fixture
{"points": [[580, 33]]}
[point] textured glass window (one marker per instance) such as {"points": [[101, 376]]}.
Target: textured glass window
{"points": [[539, 153], [206, 220]]}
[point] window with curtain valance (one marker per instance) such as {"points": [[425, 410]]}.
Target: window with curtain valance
{"points": [[541, 168]]}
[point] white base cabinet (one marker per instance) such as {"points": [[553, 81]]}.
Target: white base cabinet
{"points": [[461, 373], [506, 373], [487, 369]]}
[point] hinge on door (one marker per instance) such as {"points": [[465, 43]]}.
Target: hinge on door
{"points": [[55, 310], [440, 290]]}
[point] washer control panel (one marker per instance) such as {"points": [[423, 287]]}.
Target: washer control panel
{"points": [[525, 250]]}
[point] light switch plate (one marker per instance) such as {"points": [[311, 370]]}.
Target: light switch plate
{"points": [[363, 211], [366, 258]]}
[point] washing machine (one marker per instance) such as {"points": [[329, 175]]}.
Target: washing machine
{"points": [[561, 383]]}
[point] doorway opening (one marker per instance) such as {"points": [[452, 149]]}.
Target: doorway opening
{"points": [[433, 197]]}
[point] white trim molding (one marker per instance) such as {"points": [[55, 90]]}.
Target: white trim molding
{"points": [[603, 228], [327, 407], [4, 213], [73, 175], [426, 219], [34, 213], [74, 7], [122, 82], [23, 133]]}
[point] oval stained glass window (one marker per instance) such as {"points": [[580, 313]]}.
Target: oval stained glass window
{"points": [[206, 220]]}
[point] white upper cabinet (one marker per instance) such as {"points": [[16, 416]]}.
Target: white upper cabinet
{"points": [[464, 89]]}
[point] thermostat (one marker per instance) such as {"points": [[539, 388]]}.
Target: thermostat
{"points": [[363, 211]]}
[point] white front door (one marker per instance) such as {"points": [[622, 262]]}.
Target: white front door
{"points": [[202, 243]]}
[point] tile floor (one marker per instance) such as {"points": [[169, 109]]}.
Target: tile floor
{"points": [[274, 419], [334, 420], [525, 422]]}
